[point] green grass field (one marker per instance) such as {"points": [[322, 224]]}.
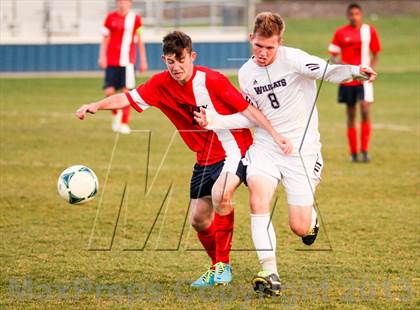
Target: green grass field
{"points": [[371, 212]]}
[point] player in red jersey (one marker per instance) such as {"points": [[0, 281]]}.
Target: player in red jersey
{"points": [[357, 44], [117, 55], [178, 92]]}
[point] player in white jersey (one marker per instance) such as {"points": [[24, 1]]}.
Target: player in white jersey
{"points": [[280, 81]]}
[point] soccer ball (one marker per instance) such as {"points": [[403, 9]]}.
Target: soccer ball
{"points": [[77, 184]]}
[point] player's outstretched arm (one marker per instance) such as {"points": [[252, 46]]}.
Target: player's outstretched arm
{"points": [[347, 73], [211, 120], [249, 118], [314, 67], [117, 101]]}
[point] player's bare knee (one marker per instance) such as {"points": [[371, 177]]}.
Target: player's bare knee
{"points": [[259, 205], [199, 223], [300, 228]]}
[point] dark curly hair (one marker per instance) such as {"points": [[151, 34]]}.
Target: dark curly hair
{"points": [[175, 42]]}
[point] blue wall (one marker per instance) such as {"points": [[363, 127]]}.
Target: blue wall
{"points": [[83, 57]]}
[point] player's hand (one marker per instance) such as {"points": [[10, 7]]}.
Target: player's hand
{"points": [[143, 67], [369, 73], [284, 143], [86, 108], [201, 118], [102, 62]]}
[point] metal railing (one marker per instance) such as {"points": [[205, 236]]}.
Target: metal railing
{"points": [[49, 21]]}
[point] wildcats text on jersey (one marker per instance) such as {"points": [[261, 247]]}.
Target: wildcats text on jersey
{"points": [[262, 89]]}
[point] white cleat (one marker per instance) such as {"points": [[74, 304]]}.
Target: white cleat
{"points": [[124, 129], [116, 121]]}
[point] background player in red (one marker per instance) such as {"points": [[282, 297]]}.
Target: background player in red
{"points": [[357, 44], [178, 92], [117, 55]]}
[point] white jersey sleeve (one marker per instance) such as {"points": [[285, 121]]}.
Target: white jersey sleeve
{"points": [[314, 67], [217, 121]]}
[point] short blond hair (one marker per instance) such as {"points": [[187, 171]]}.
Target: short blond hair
{"points": [[268, 24]]}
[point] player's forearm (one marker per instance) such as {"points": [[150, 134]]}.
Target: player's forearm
{"points": [[374, 60], [256, 117], [117, 101], [142, 51], [217, 121], [104, 47], [343, 73]]}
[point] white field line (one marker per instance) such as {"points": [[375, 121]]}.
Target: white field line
{"points": [[394, 127], [108, 170], [44, 116], [104, 116], [40, 164], [335, 172]]}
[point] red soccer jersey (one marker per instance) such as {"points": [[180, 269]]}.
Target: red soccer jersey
{"points": [[355, 45], [208, 89], [121, 30]]}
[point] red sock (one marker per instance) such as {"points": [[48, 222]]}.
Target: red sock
{"points": [[352, 139], [365, 135], [207, 239], [224, 231], [125, 114]]}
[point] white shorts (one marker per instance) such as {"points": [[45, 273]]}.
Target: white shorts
{"points": [[289, 170], [368, 91]]}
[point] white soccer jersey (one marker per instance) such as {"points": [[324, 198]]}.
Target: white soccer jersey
{"points": [[285, 92]]}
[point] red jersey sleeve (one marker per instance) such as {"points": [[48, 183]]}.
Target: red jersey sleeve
{"points": [[375, 44], [335, 46], [145, 95], [229, 95]]}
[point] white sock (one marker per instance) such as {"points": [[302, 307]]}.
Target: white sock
{"points": [[264, 241], [313, 219]]}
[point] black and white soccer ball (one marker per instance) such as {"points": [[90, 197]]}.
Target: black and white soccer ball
{"points": [[77, 184]]}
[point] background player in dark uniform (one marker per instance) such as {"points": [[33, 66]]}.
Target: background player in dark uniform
{"points": [[117, 55], [178, 92], [357, 44]]}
